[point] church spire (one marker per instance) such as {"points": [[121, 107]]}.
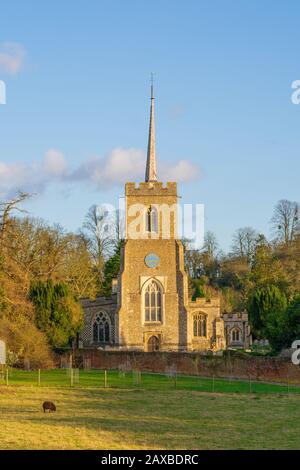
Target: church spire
{"points": [[151, 154]]}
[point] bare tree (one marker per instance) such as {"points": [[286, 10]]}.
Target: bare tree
{"points": [[38, 249], [100, 226], [194, 263], [210, 246], [244, 243], [210, 255], [6, 208], [119, 225], [286, 221], [77, 269]]}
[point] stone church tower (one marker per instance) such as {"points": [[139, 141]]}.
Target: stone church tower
{"points": [[152, 282], [150, 309]]}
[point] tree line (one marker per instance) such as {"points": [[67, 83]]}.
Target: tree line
{"points": [[258, 275], [45, 271]]}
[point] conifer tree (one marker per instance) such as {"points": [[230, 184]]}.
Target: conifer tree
{"points": [[263, 302], [57, 313]]}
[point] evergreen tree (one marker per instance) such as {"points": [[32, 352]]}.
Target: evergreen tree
{"points": [[198, 288], [111, 270], [56, 311], [284, 327], [263, 302]]}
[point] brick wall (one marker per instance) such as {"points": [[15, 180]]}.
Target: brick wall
{"points": [[273, 369]]}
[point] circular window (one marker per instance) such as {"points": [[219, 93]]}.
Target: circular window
{"points": [[152, 260]]}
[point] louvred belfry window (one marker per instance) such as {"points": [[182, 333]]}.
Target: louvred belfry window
{"points": [[152, 219]]}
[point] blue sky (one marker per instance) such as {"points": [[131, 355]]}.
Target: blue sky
{"points": [[77, 111]]}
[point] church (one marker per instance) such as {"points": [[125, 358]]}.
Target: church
{"points": [[150, 309]]}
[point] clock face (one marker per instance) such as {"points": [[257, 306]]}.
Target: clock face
{"points": [[152, 260]]}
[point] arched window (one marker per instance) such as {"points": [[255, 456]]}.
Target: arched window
{"points": [[101, 328], [199, 324], [151, 220], [236, 335], [153, 302]]}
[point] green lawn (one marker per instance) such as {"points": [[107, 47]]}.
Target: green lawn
{"points": [[150, 415], [95, 378]]}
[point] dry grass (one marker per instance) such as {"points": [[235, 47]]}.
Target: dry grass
{"points": [[96, 418]]}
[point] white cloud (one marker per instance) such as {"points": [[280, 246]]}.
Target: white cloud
{"points": [[123, 165], [124, 162], [32, 177], [182, 171], [19, 176], [119, 166], [12, 57], [55, 163]]}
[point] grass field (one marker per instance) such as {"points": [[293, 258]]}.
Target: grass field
{"points": [[150, 415], [161, 382]]}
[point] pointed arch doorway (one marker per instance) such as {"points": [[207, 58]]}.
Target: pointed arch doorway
{"points": [[153, 344]]}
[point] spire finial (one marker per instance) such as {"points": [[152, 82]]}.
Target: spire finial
{"points": [[151, 153], [152, 81]]}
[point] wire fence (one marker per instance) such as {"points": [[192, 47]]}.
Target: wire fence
{"points": [[123, 378]]}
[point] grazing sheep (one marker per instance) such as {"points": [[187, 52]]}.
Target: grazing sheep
{"points": [[48, 405]]}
